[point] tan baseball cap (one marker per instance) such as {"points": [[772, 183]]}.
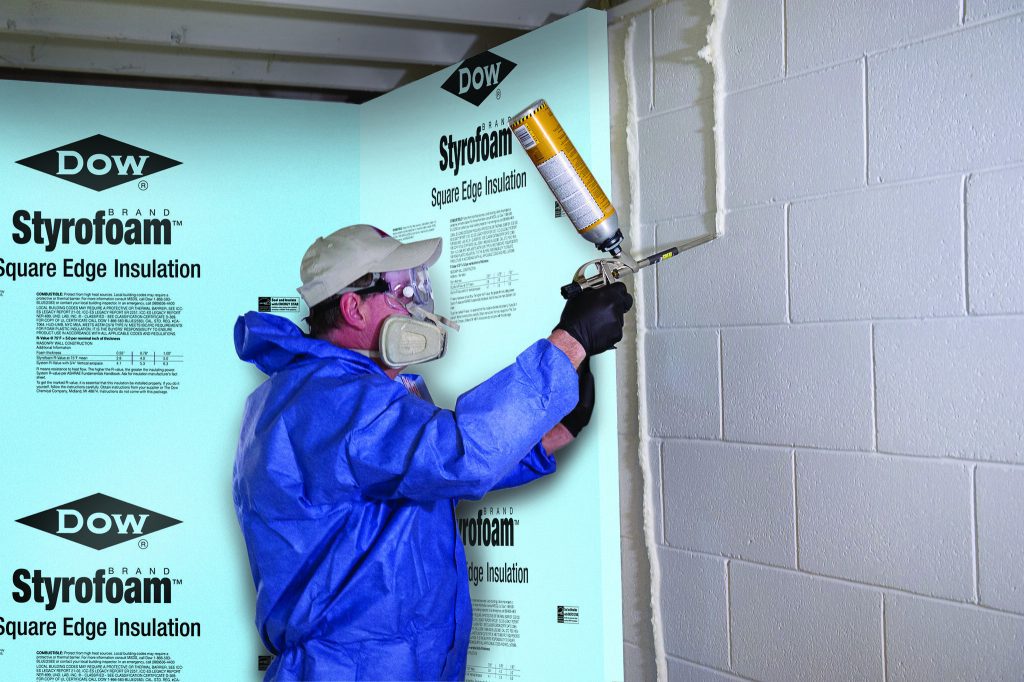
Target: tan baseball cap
{"points": [[335, 261]]}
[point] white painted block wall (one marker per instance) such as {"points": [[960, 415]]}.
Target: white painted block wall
{"points": [[830, 422]]}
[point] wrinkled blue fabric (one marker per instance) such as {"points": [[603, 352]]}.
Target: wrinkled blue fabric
{"points": [[345, 486]]}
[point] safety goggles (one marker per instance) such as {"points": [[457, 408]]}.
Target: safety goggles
{"points": [[406, 287]]}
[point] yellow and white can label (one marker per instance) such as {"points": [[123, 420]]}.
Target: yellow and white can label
{"points": [[553, 153]]}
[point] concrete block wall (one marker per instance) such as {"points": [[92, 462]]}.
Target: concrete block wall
{"points": [[829, 446]]}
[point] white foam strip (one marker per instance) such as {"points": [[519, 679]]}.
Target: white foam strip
{"points": [[712, 53], [650, 541]]}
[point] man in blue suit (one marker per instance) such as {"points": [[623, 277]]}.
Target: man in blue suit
{"points": [[347, 475]]}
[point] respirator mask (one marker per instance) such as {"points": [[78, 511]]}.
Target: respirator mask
{"points": [[409, 340]]}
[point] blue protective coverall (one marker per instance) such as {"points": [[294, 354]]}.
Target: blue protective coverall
{"points": [[345, 486]]}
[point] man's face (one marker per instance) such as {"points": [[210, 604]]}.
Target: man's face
{"points": [[380, 307], [406, 291]]}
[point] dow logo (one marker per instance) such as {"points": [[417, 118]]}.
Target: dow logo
{"points": [[99, 521], [98, 162], [478, 76]]}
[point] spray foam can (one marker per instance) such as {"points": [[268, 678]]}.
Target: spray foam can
{"points": [[574, 186]]}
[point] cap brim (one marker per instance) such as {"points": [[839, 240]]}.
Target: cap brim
{"points": [[411, 255]]}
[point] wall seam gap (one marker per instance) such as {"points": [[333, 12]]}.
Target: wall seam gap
{"points": [[997, 16], [974, 533], [650, 58], [963, 224], [696, 104], [849, 321], [885, 648], [888, 454], [785, 38], [872, 587], [643, 423], [796, 513], [817, 68], [660, 536], [844, 582], [853, 584], [946, 601], [854, 189], [874, 393], [789, 288], [732, 673], [963, 12], [917, 40], [990, 316], [867, 165], [721, 385], [654, 286], [728, 610], [783, 79]]}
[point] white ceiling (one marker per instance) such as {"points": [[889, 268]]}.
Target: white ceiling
{"points": [[348, 50]]}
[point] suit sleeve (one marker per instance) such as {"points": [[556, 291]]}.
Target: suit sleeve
{"points": [[398, 446], [536, 464]]}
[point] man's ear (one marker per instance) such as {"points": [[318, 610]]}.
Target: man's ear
{"points": [[352, 311]]}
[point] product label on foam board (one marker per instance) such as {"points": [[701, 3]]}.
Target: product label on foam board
{"points": [[139, 224], [543, 559], [142, 223]]}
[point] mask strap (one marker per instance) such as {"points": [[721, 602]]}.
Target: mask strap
{"points": [[417, 311]]}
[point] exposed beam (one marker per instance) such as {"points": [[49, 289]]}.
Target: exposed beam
{"points": [[523, 15], [225, 28], [129, 60], [182, 85]]}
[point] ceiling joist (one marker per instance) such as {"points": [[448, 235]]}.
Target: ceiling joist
{"points": [[131, 60], [522, 15], [347, 46]]}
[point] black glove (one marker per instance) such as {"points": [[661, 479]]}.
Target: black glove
{"points": [[594, 317], [580, 415]]}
